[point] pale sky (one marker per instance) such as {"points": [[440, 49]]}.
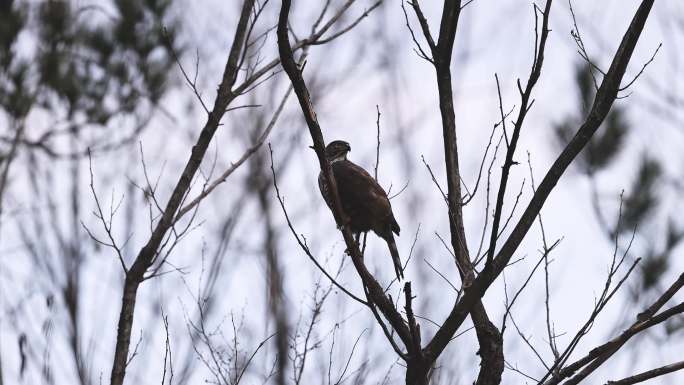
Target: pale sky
{"points": [[493, 37]]}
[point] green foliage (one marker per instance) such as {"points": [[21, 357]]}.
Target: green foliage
{"points": [[12, 20], [605, 145], [642, 199], [652, 270], [91, 65], [14, 95], [128, 58], [656, 262]]}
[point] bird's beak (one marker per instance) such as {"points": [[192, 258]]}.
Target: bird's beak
{"points": [[312, 147]]}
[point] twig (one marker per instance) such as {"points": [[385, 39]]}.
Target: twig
{"points": [[251, 357], [234, 166], [419, 49], [107, 225], [484, 158], [525, 104], [350, 26], [434, 180], [642, 68], [509, 306], [346, 366], [575, 33], [441, 275], [377, 148]]}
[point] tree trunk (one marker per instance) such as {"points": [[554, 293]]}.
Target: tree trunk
{"points": [[124, 330], [418, 372]]}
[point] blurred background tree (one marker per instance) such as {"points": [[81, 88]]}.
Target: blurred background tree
{"points": [[644, 210], [75, 80]]}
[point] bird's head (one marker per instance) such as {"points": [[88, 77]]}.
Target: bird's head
{"points": [[337, 150]]}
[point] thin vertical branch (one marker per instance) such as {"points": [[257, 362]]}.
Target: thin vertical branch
{"points": [[601, 105], [147, 253]]}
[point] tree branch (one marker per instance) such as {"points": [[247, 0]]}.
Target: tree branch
{"points": [[489, 337], [649, 374], [603, 101], [147, 253], [375, 291]]}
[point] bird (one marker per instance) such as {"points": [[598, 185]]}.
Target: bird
{"points": [[364, 201]]}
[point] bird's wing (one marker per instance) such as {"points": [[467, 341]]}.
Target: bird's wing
{"points": [[376, 193], [360, 189]]}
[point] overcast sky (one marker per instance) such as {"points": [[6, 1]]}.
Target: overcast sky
{"points": [[494, 36]]}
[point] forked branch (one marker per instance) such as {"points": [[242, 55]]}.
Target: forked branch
{"points": [[602, 103]]}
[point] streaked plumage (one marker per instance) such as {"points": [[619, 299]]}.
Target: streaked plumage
{"points": [[363, 200]]}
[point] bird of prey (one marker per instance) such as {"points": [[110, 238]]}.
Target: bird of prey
{"points": [[363, 200]]}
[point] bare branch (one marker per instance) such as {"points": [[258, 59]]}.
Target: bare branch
{"points": [[419, 49], [643, 68], [234, 166], [350, 26], [147, 253], [374, 289], [602, 103], [377, 149], [525, 104], [576, 35], [7, 159], [649, 374]]}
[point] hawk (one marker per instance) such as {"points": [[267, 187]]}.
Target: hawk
{"points": [[364, 202]]}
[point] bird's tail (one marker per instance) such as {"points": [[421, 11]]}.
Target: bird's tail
{"points": [[398, 269]]}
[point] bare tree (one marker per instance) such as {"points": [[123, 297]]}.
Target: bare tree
{"points": [[153, 251], [421, 359], [227, 299]]}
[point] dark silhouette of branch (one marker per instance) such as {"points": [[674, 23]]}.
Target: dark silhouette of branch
{"points": [[649, 374], [234, 166], [174, 209], [349, 27], [419, 49], [581, 49], [525, 105], [606, 295], [643, 68], [599, 355], [603, 101], [375, 291], [489, 337], [147, 253], [312, 39], [106, 224], [470, 195], [509, 305], [604, 352], [666, 296]]}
